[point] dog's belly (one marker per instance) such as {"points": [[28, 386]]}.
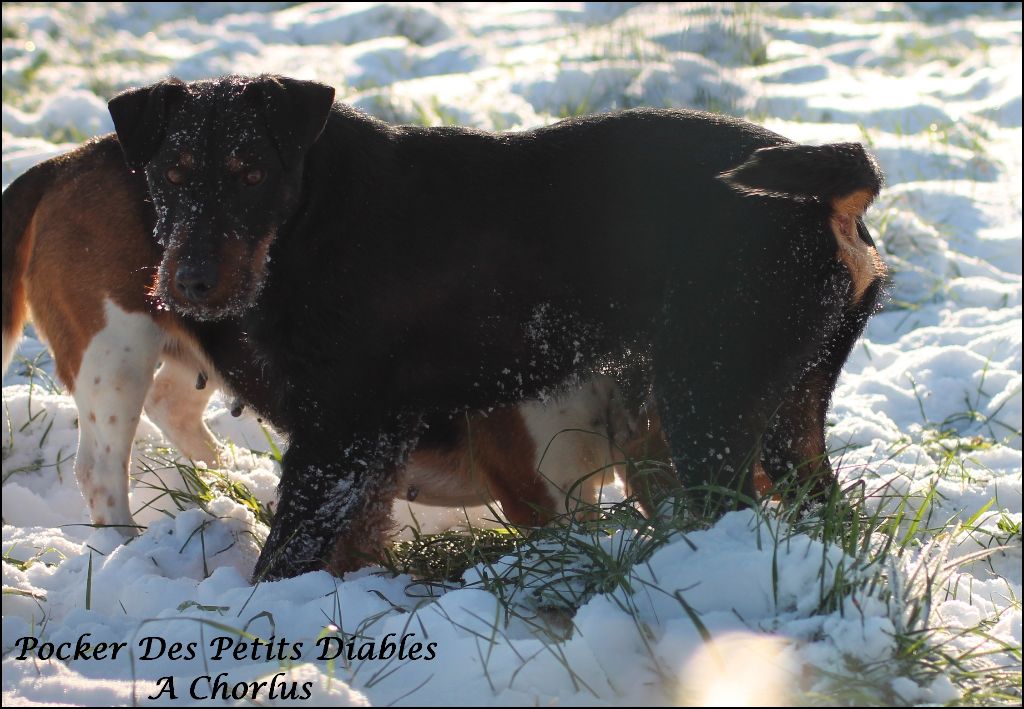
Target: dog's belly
{"points": [[538, 459]]}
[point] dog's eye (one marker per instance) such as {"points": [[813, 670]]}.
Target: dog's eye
{"points": [[253, 176], [176, 176]]}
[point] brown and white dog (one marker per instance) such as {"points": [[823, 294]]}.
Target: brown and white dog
{"points": [[77, 253]]}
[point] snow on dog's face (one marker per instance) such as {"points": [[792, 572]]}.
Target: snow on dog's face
{"points": [[224, 162]]}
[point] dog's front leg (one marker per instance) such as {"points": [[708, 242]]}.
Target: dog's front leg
{"points": [[335, 502], [795, 441]]}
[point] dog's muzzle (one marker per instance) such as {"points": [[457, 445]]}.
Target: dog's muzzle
{"points": [[196, 280]]}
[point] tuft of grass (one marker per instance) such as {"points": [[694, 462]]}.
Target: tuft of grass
{"points": [[39, 60], [896, 548], [434, 113], [444, 558], [578, 108], [39, 379], [201, 486], [744, 24], [36, 371], [968, 430], [37, 558]]}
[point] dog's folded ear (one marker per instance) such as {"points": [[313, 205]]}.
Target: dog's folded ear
{"points": [[841, 174], [296, 112], [140, 118]]}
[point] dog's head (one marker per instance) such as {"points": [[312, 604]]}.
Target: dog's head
{"points": [[224, 162]]}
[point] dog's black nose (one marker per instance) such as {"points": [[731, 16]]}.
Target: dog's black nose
{"points": [[196, 280]]}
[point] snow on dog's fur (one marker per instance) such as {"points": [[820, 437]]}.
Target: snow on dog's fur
{"points": [[433, 271], [78, 254]]}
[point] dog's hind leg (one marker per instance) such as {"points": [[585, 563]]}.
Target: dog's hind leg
{"points": [[115, 374], [176, 405]]}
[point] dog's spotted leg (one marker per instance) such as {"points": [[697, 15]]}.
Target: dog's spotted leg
{"points": [[176, 405], [116, 372], [335, 503]]}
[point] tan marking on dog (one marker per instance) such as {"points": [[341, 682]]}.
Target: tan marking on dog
{"points": [[861, 260], [259, 257], [234, 272], [176, 406], [854, 204], [493, 460], [537, 460], [643, 475], [241, 269], [763, 483]]}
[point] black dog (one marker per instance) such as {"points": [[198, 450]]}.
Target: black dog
{"points": [[387, 278]]}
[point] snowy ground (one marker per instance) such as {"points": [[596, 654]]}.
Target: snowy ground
{"points": [[929, 407]]}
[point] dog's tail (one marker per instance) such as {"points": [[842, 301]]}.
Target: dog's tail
{"points": [[841, 174], [20, 200]]}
